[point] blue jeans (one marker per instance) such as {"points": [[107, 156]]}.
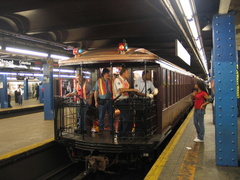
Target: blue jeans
{"points": [[20, 99], [82, 117], [107, 106], [199, 122]]}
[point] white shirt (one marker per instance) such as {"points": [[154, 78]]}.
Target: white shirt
{"points": [[117, 86], [140, 86], [20, 90]]}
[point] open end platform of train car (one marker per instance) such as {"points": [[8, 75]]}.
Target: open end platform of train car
{"points": [[185, 159], [107, 142]]}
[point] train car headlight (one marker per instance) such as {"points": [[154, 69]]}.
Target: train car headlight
{"points": [[122, 47]]}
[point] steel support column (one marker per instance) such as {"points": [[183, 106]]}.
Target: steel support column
{"points": [[41, 90], [25, 89], [48, 92], [225, 61], [3, 91]]}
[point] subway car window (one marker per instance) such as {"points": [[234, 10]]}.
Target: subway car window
{"points": [[164, 90]]}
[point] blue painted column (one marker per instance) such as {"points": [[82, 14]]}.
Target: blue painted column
{"points": [[41, 92], [225, 61], [3, 91], [48, 92], [25, 89], [238, 84]]}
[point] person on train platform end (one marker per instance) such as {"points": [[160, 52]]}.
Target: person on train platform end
{"points": [[121, 90], [139, 84], [200, 97], [20, 97], [103, 98], [9, 96], [84, 93]]}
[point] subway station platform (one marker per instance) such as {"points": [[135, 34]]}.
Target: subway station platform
{"points": [[20, 133], [27, 104], [187, 160]]}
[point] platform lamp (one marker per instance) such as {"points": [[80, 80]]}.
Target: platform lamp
{"points": [[207, 27]]}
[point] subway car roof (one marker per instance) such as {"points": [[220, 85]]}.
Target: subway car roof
{"points": [[101, 57], [111, 55]]}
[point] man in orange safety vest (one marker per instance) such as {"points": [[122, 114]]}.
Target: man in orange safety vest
{"points": [[84, 94], [103, 98]]}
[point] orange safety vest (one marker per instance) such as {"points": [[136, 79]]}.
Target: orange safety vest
{"points": [[82, 92], [102, 86], [125, 85]]}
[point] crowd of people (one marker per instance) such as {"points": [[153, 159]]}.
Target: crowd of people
{"points": [[104, 92], [18, 94]]}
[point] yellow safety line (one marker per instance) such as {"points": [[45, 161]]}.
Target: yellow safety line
{"points": [[188, 167], [158, 166], [27, 148]]}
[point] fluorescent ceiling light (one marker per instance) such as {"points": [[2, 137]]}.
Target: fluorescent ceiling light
{"points": [[8, 73], [37, 68], [187, 8], [28, 52], [198, 43], [193, 28], [39, 75], [54, 56], [63, 75], [64, 70], [25, 74], [11, 78], [86, 72]]}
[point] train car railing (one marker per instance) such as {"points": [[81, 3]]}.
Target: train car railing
{"points": [[143, 117], [66, 115], [142, 121]]}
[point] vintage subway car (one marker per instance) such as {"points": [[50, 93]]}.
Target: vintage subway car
{"points": [[160, 115]]}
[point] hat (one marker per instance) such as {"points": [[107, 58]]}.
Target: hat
{"points": [[105, 70]]}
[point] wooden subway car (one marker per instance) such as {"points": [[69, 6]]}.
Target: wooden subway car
{"points": [[161, 114]]}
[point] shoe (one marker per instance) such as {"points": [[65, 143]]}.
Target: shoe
{"points": [[197, 140], [77, 131]]}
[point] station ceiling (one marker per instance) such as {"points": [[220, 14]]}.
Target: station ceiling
{"points": [[58, 25]]}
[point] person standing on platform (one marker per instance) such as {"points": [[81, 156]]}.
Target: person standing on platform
{"points": [[20, 91], [121, 90], [103, 98], [37, 90], [9, 97], [84, 93], [200, 97]]}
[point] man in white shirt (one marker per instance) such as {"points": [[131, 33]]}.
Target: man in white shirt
{"points": [[143, 82], [146, 89], [121, 90]]}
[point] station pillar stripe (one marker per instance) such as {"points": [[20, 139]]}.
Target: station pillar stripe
{"points": [[225, 61], [158, 166], [48, 92], [3, 91]]}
